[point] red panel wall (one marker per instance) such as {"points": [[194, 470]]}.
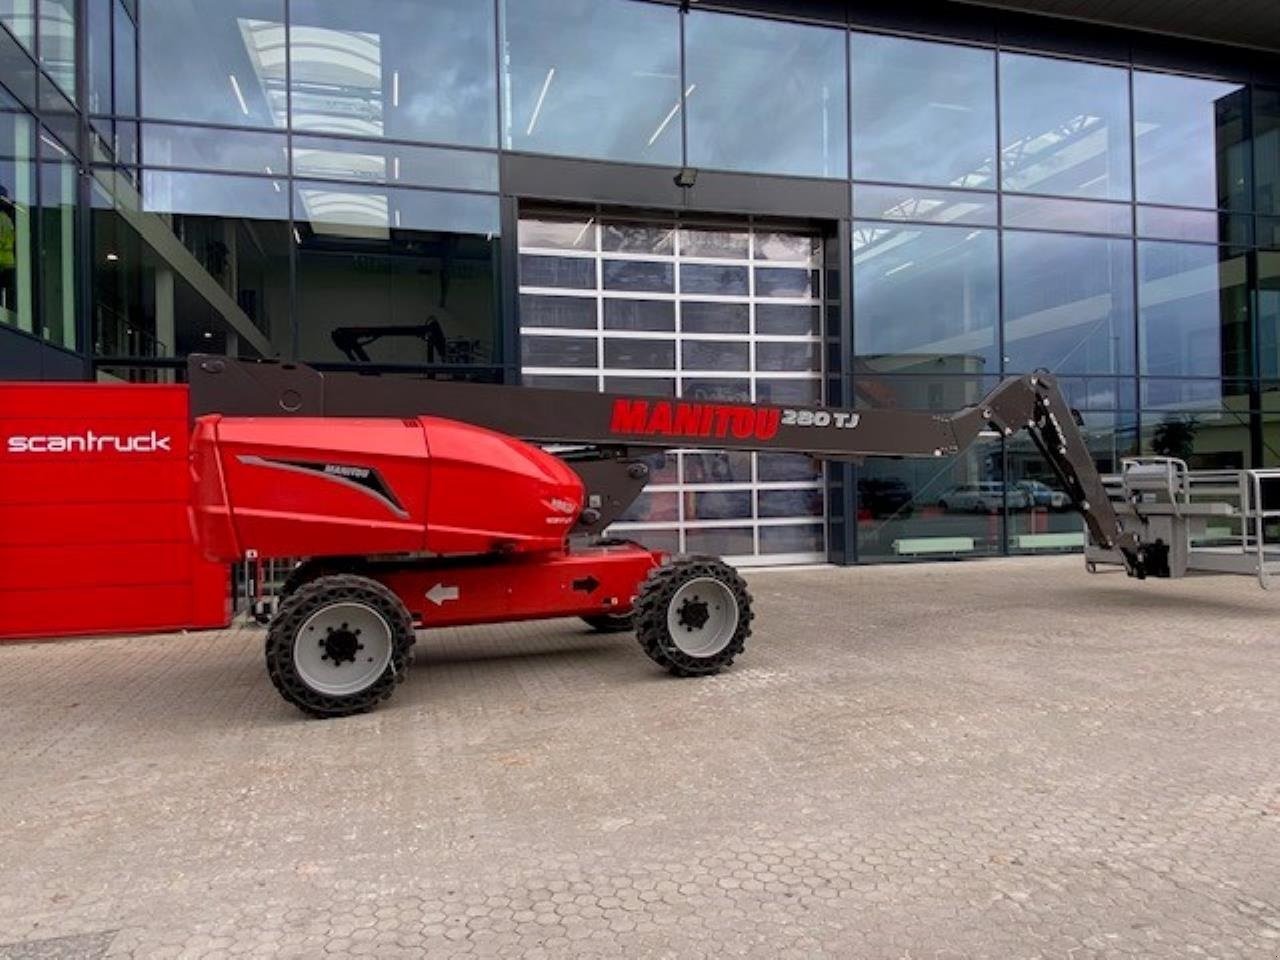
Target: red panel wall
{"points": [[95, 535]]}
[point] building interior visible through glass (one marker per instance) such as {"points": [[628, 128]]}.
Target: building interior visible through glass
{"points": [[328, 190]]}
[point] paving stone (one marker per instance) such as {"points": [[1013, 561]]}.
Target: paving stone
{"points": [[980, 760]]}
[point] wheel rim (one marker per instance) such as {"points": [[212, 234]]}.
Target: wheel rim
{"points": [[342, 648], [702, 617]]}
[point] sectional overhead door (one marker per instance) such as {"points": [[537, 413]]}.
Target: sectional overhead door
{"points": [[723, 311]]}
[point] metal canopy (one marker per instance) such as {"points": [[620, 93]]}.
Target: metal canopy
{"points": [[1253, 23]]}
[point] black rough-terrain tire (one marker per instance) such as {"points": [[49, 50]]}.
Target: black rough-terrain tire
{"points": [[324, 602], [670, 592], [610, 622], [309, 570]]}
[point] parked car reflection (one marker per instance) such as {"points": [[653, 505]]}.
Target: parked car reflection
{"points": [[1040, 494], [987, 496], [884, 496]]}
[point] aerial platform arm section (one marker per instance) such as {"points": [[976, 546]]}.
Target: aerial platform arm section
{"points": [[611, 429]]}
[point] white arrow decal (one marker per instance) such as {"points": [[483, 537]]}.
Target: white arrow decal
{"points": [[440, 593]]}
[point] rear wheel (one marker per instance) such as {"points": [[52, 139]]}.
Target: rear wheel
{"points": [[693, 616], [339, 645]]}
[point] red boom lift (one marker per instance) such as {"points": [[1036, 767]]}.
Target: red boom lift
{"points": [[415, 505]]}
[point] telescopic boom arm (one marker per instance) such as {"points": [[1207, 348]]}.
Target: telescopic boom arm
{"points": [[613, 425]]}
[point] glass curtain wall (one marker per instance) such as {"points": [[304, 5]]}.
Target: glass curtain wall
{"points": [[321, 181], [1014, 212], [304, 188], [39, 174]]}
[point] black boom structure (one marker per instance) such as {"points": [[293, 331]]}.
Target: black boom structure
{"points": [[604, 432]]}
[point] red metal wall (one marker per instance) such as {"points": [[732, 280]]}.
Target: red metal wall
{"points": [[95, 535]]}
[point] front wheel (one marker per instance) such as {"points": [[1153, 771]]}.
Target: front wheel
{"points": [[693, 616], [339, 645]]}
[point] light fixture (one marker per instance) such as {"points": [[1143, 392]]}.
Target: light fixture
{"points": [[687, 177], [208, 334], [235, 85], [537, 107], [112, 257], [671, 115]]}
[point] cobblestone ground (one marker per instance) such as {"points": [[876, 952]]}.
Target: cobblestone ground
{"points": [[1000, 759]]}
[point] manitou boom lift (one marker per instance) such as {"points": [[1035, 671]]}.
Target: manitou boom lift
{"points": [[426, 503]]}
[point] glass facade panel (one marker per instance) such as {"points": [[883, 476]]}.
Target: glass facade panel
{"points": [[58, 245], [796, 320], [17, 196], [915, 204], [1268, 300], [1266, 149], [697, 317], [926, 509], [204, 148], [923, 112], [367, 234], [557, 232], [1193, 305], [638, 275], [1189, 141], [1068, 304], [17, 71], [375, 287], [567, 313], [369, 161], [214, 62], [200, 265], [1040, 516], [783, 83], [1207, 435], [592, 78], [394, 69], [348, 209], [639, 354], [124, 45], [1202, 226], [58, 42], [925, 299], [637, 238], [731, 244], [723, 281], [98, 15], [645, 315], [560, 352], [20, 17], [1084, 216], [214, 195], [1064, 128], [567, 272]]}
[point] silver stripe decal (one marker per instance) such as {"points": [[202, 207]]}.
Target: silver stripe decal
{"points": [[256, 461]]}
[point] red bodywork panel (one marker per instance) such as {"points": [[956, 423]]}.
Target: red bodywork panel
{"points": [[592, 580], [312, 487], [114, 517], [94, 528]]}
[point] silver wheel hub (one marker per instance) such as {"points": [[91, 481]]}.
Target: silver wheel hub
{"points": [[702, 617], [342, 648]]}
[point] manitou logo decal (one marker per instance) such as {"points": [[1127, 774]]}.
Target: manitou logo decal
{"points": [[90, 442], [355, 473], [664, 418]]}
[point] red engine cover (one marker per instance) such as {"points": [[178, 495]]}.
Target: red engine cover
{"points": [[306, 487]]}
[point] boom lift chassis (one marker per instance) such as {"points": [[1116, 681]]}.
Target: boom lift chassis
{"points": [[340, 639]]}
